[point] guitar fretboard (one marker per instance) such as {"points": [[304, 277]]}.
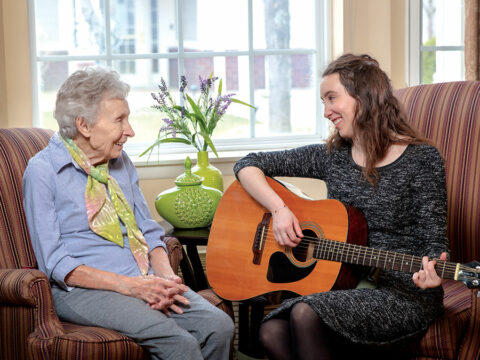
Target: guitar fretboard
{"points": [[362, 255]]}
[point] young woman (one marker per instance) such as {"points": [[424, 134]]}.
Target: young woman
{"points": [[377, 163]]}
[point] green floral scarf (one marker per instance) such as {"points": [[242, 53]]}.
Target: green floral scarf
{"points": [[103, 211]]}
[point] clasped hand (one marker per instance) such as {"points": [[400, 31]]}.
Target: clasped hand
{"points": [[160, 293]]}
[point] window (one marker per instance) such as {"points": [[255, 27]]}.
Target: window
{"points": [[436, 41], [267, 52]]}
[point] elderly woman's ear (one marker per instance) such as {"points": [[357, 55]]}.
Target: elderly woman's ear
{"points": [[83, 127]]}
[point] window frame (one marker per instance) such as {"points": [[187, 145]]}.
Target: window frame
{"points": [[227, 147], [415, 47]]}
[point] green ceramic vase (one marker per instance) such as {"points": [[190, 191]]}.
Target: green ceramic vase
{"points": [[212, 177], [189, 204]]}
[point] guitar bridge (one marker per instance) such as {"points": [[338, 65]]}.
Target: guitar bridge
{"points": [[260, 238]]}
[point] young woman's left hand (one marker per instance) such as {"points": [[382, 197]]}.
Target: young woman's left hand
{"points": [[427, 277]]}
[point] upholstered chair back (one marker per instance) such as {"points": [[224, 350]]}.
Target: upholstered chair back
{"points": [[17, 146], [449, 115]]}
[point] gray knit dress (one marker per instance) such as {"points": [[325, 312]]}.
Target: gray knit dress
{"points": [[406, 214]]}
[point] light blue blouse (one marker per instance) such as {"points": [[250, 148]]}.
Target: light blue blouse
{"points": [[54, 203]]}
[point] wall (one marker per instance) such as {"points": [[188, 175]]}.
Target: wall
{"points": [[15, 74], [377, 28], [3, 87]]}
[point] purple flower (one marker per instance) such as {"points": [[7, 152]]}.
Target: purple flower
{"points": [[163, 87], [226, 101], [167, 121], [183, 83], [203, 84], [159, 99]]}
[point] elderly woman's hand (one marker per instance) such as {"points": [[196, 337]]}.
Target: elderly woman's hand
{"points": [[159, 293], [427, 277]]}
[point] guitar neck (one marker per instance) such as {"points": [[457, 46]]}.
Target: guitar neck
{"points": [[362, 255]]}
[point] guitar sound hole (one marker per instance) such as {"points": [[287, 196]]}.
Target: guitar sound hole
{"points": [[304, 251]]}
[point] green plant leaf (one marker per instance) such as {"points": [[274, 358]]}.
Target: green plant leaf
{"points": [[196, 110], [210, 143], [220, 87], [168, 140], [242, 103]]}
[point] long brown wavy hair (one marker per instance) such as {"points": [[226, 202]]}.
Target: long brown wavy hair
{"points": [[380, 120]]}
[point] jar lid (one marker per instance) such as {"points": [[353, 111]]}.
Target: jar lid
{"points": [[188, 178]]}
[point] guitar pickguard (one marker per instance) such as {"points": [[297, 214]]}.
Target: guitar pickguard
{"points": [[281, 269]]}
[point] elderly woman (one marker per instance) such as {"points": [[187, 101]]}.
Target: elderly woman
{"points": [[94, 237]]}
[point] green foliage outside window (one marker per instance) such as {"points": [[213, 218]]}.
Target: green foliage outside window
{"points": [[428, 62]]}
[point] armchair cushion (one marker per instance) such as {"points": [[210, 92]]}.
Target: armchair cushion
{"points": [[83, 342], [444, 336]]}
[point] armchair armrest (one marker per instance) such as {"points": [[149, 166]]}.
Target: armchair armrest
{"points": [[15, 286], [31, 288], [174, 249]]}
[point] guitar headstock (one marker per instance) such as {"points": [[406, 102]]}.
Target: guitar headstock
{"points": [[469, 274]]}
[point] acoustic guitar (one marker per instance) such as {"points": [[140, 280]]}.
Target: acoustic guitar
{"points": [[244, 260]]}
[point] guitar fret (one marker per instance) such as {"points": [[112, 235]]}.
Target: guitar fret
{"points": [[443, 269], [386, 258], [393, 262], [333, 252], [354, 252], [339, 252]]}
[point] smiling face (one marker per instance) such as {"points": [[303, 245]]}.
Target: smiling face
{"points": [[339, 106], [104, 139]]}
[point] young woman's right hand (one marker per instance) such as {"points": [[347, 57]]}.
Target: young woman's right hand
{"points": [[286, 228]]}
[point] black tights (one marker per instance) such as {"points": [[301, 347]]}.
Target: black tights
{"points": [[304, 336]]}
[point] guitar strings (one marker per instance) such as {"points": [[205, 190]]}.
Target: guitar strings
{"points": [[382, 255]]}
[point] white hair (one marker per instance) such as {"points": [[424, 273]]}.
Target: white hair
{"points": [[80, 95]]}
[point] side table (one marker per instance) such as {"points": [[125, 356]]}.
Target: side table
{"points": [[191, 266]]}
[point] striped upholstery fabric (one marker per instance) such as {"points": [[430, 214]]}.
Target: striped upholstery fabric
{"points": [[30, 328], [449, 115], [17, 146]]}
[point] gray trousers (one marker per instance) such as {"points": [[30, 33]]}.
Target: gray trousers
{"points": [[201, 332]]}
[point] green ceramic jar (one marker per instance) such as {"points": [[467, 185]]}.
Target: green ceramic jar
{"points": [[189, 204], [212, 176]]}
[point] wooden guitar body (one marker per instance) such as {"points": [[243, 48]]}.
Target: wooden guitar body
{"points": [[244, 260]]}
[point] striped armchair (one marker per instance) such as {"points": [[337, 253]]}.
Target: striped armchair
{"points": [[30, 328], [449, 115]]}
